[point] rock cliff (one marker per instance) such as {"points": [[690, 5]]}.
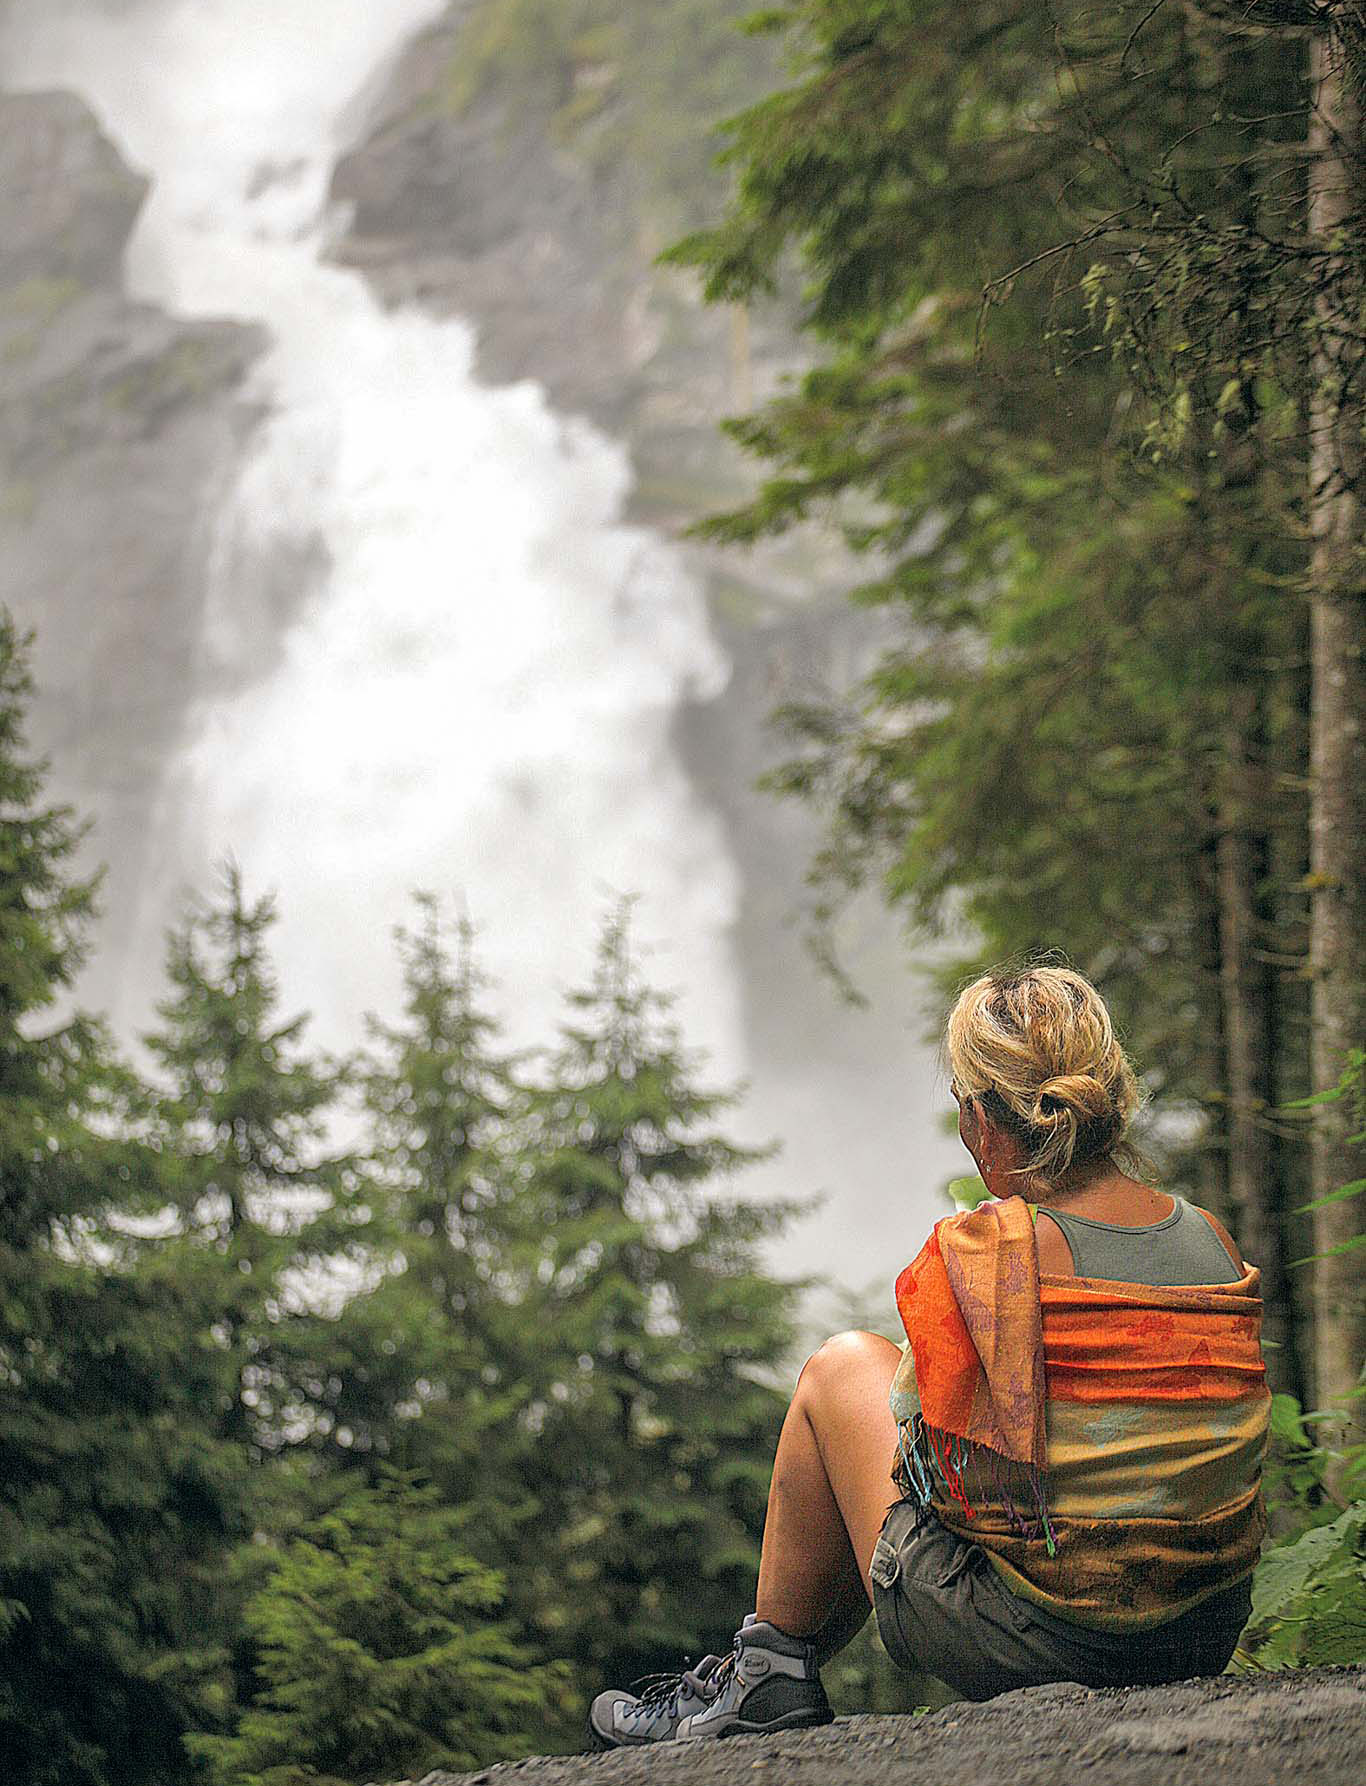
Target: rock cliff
{"points": [[118, 425]]}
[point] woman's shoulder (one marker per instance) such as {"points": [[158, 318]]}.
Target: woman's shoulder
{"points": [[1230, 1244]]}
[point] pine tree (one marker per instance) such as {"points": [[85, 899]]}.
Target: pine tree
{"points": [[267, 1215], [438, 1096], [379, 1652], [654, 1335], [116, 1502], [581, 1341], [52, 1175], [118, 1510], [448, 1378]]}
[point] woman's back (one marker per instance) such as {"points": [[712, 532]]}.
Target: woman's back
{"points": [[1180, 1248], [1154, 1405]]}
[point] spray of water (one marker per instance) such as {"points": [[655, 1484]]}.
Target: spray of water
{"points": [[433, 655]]}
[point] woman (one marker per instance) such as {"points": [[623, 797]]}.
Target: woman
{"points": [[1077, 1420]]}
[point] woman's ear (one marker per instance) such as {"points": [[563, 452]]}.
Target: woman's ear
{"points": [[970, 1124], [983, 1137], [989, 1146]]}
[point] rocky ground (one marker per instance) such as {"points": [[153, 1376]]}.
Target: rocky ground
{"points": [[1266, 1730]]}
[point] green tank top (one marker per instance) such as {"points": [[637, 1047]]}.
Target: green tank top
{"points": [[1180, 1249]]}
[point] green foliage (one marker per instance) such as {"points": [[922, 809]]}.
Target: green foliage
{"points": [[967, 1193], [567, 1345], [863, 1678], [239, 1124], [1309, 1597], [1083, 519], [379, 1654], [1350, 1089], [449, 1383], [655, 1332], [115, 1500], [54, 1173], [1309, 1592], [558, 1332], [1041, 754], [1210, 286], [116, 1507], [1292, 1478]]}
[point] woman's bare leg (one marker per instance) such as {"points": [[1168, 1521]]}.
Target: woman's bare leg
{"points": [[830, 1492]]}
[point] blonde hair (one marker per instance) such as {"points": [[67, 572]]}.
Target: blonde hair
{"points": [[1037, 1046]]}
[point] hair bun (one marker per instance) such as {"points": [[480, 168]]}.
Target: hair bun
{"points": [[1080, 1096]]}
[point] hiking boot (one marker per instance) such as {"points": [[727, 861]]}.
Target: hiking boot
{"points": [[768, 1682], [619, 1720]]}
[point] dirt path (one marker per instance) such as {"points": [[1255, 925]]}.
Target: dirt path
{"points": [[1294, 1729]]}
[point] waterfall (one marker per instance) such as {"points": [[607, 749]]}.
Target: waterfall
{"points": [[434, 656]]}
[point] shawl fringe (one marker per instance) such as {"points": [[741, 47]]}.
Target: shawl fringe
{"points": [[968, 1473]]}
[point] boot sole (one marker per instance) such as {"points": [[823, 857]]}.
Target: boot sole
{"points": [[598, 1744], [811, 1719]]}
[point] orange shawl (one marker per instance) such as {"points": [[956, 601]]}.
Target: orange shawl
{"points": [[969, 1302]]}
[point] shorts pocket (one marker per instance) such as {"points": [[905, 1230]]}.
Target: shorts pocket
{"points": [[885, 1566], [996, 1600], [1018, 1609]]}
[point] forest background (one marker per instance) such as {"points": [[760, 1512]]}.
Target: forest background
{"points": [[1082, 293]]}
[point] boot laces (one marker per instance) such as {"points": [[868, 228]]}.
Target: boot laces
{"points": [[663, 1691]]}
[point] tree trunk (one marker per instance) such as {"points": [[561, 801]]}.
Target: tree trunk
{"points": [[1248, 998], [1210, 1053], [1337, 950]]}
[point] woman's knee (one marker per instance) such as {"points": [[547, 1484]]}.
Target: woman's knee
{"points": [[844, 1356]]}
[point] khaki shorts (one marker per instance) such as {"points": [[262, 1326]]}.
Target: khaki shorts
{"points": [[942, 1609]]}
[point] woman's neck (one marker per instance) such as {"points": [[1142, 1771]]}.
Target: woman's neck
{"points": [[1099, 1189], [1094, 1177]]}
